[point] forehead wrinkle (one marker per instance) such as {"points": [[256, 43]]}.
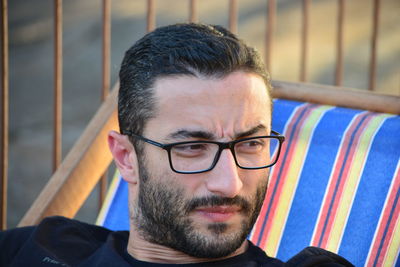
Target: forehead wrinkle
{"points": [[209, 106]]}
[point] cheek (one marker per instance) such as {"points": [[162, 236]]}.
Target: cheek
{"points": [[160, 156], [159, 171], [192, 184], [255, 184], [156, 160], [254, 179]]}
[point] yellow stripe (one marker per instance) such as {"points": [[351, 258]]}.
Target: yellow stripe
{"points": [[393, 247], [369, 261], [350, 187], [394, 244], [288, 190], [109, 197]]}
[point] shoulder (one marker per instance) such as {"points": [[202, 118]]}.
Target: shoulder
{"points": [[310, 256], [261, 257], [54, 240], [51, 229], [11, 241], [314, 256]]}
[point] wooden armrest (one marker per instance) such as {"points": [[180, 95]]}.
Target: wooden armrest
{"points": [[81, 169]]}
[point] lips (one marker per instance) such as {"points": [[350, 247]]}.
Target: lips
{"points": [[218, 213]]}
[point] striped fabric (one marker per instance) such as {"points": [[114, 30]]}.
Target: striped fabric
{"points": [[336, 186]]}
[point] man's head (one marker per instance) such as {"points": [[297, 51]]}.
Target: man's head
{"points": [[182, 49], [185, 83]]}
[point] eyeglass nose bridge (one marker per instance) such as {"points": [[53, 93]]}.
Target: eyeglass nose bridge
{"points": [[221, 147]]}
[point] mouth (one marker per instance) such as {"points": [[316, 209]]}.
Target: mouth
{"points": [[218, 214]]}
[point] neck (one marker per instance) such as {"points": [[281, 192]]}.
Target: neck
{"points": [[146, 251]]}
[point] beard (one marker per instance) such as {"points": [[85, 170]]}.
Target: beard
{"points": [[162, 217]]}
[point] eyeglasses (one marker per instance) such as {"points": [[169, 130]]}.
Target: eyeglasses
{"points": [[201, 156]]}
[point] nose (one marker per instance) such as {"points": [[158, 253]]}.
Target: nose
{"points": [[224, 178]]}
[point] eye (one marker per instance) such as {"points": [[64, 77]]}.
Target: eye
{"points": [[191, 149], [250, 146]]}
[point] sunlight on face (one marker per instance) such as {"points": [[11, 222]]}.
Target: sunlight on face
{"points": [[164, 216], [207, 214]]}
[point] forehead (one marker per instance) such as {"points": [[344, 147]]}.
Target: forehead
{"points": [[223, 106]]}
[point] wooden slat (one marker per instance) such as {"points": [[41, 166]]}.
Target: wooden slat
{"points": [[337, 96], [106, 49], [269, 36], [374, 45], [81, 169], [57, 83], [151, 15], [193, 11], [106, 38], [4, 115], [339, 44], [304, 41], [233, 10]]}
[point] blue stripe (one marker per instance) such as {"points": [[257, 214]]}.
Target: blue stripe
{"points": [[283, 159], [118, 214], [340, 177], [282, 111], [372, 192], [313, 181]]}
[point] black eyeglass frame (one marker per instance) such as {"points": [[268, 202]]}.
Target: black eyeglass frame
{"points": [[221, 146]]}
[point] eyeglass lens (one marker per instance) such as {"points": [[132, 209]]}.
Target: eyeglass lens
{"points": [[253, 153]]}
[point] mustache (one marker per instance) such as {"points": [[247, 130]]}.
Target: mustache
{"points": [[211, 201]]}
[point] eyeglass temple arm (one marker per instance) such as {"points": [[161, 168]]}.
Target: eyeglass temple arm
{"points": [[129, 133], [274, 132], [280, 136]]}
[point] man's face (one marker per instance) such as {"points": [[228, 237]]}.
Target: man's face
{"points": [[208, 214]]}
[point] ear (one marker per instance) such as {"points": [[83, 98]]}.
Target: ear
{"points": [[124, 155]]}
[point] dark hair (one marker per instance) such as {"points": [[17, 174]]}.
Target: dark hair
{"points": [[180, 49]]}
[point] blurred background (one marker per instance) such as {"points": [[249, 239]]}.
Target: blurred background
{"points": [[31, 63]]}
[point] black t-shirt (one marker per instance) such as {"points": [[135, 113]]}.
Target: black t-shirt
{"points": [[58, 241]]}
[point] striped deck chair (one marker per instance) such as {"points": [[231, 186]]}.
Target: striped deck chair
{"points": [[336, 186]]}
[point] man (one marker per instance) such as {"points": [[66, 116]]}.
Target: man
{"points": [[195, 146]]}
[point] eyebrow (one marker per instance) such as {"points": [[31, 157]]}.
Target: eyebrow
{"points": [[252, 131], [210, 136], [191, 134]]}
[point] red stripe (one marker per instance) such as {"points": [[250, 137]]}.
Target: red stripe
{"points": [[292, 129], [258, 225], [325, 208], [387, 224], [347, 165], [271, 203], [331, 204], [272, 184]]}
